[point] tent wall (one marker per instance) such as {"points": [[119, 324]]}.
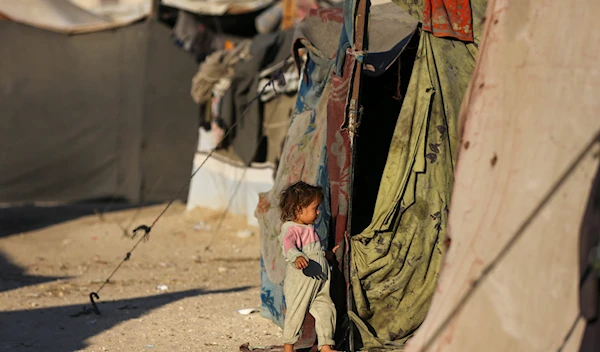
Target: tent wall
{"points": [[76, 16], [78, 110], [170, 120], [523, 182]]}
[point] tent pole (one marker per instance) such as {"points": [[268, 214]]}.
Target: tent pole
{"points": [[289, 14], [361, 15], [155, 9]]}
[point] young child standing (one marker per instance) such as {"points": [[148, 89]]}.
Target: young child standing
{"points": [[306, 285]]}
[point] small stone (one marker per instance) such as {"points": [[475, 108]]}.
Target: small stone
{"points": [[245, 233], [222, 270]]}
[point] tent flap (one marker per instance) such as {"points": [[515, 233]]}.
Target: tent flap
{"points": [[396, 260]]}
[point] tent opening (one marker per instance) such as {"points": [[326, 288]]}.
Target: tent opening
{"points": [[382, 98]]}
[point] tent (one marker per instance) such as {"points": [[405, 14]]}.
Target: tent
{"points": [[317, 146], [218, 7], [525, 212], [389, 199], [106, 114], [76, 16], [513, 261]]}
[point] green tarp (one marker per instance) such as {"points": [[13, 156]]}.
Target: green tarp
{"points": [[396, 259]]}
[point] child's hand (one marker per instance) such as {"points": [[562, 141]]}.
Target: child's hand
{"points": [[301, 263], [330, 255]]}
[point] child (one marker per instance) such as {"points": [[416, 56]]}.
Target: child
{"points": [[306, 285]]}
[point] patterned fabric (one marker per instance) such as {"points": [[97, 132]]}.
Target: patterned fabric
{"points": [[339, 157], [448, 18], [303, 158], [476, 10]]}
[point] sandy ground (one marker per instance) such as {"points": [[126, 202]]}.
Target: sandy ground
{"points": [[47, 274]]}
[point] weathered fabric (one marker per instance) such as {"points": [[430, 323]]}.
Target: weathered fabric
{"points": [[271, 90], [518, 218], [236, 106], [185, 29], [339, 157], [385, 52], [306, 290], [389, 32], [321, 28], [416, 9], [303, 158], [277, 116], [448, 18], [217, 67], [396, 259]]}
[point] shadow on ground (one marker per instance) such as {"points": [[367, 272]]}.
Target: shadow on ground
{"points": [[19, 219], [13, 276], [54, 330]]}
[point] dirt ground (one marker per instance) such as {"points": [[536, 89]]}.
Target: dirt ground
{"points": [[47, 274]]}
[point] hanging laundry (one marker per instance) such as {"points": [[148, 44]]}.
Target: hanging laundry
{"points": [[237, 109], [217, 69], [185, 30], [289, 84], [270, 20], [448, 18], [204, 43]]}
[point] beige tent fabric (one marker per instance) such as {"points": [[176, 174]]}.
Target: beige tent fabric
{"points": [[75, 16], [218, 7], [532, 111]]}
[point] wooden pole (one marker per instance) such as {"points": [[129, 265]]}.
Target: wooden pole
{"points": [[289, 14], [354, 116], [155, 9]]}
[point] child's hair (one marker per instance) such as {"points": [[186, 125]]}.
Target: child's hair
{"points": [[298, 196]]}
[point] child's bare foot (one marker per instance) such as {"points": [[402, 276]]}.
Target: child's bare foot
{"points": [[327, 348], [288, 348]]}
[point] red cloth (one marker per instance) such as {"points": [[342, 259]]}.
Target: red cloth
{"points": [[339, 154], [448, 18]]}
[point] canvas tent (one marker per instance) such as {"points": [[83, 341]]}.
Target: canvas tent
{"points": [[218, 7], [514, 271], [400, 179], [317, 150], [105, 114], [76, 16], [525, 212]]}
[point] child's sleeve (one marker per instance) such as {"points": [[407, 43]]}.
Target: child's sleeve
{"points": [[292, 245]]}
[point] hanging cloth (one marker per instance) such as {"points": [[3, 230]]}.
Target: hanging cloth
{"points": [[448, 18]]}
